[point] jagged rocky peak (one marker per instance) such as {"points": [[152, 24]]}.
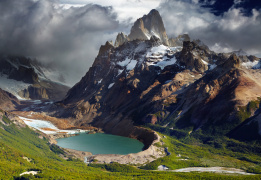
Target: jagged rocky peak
{"points": [[120, 39], [104, 48], [201, 44], [178, 41], [232, 62], [19, 68], [194, 56], [148, 26]]}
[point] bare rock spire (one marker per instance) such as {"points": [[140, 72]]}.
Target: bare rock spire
{"points": [[120, 39], [147, 26]]}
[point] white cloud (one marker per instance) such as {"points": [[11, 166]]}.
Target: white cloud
{"points": [[233, 19], [228, 32], [182, 16], [126, 9]]}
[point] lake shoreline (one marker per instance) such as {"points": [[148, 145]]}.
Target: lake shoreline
{"points": [[143, 157], [147, 137], [148, 155]]}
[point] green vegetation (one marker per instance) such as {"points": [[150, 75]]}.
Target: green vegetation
{"points": [[22, 150], [116, 167], [246, 111], [6, 120], [196, 149], [56, 149]]}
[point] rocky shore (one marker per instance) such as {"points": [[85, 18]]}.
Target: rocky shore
{"points": [[150, 153], [77, 154]]}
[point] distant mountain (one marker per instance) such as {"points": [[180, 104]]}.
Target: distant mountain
{"points": [[28, 79], [143, 80], [240, 52]]}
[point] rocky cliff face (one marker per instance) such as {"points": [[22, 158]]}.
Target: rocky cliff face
{"points": [[145, 81], [7, 100], [25, 78], [147, 26]]}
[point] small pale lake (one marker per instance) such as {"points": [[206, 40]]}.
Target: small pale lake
{"points": [[100, 143]]}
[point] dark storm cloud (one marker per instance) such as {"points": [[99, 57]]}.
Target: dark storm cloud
{"points": [[70, 38], [230, 31]]}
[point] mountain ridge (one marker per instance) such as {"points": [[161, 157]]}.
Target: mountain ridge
{"points": [[145, 81], [26, 79]]}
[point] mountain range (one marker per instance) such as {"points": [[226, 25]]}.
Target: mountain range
{"points": [[147, 78]]}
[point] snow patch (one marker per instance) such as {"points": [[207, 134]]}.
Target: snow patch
{"points": [[158, 51], [161, 56], [147, 35], [13, 86], [99, 82], [163, 64], [212, 66], [155, 34], [124, 63], [250, 64], [204, 62], [119, 72], [128, 63], [176, 49], [39, 124], [131, 65], [42, 126], [110, 86]]}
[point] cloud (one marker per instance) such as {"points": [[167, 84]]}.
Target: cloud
{"points": [[125, 9], [66, 37], [69, 38], [184, 16], [229, 31]]}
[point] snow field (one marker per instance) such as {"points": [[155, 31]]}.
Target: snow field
{"points": [[43, 126]]}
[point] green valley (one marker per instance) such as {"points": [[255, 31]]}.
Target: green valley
{"points": [[22, 149]]}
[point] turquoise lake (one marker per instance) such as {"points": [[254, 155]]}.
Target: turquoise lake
{"points": [[100, 143]]}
